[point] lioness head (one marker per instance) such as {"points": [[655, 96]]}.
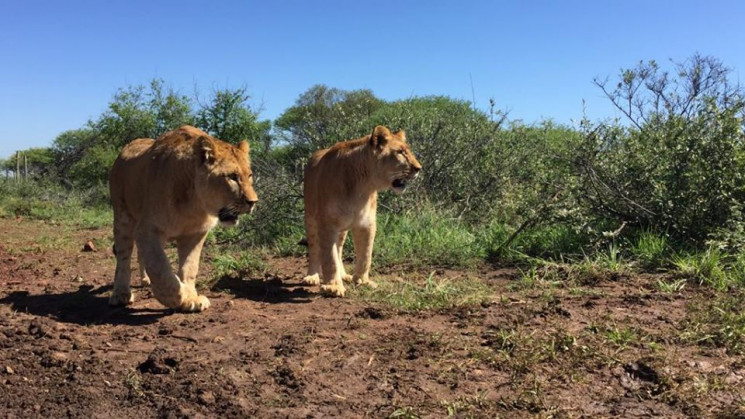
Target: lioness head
{"points": [[229, 180], [394, 157]]}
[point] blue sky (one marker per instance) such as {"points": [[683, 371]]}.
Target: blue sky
{"points": [[62, 61]]}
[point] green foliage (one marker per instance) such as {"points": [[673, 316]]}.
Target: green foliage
{"points": [[551, 241], [46, 200], [323, 116], [35, 162], [228, 116], [84, 156], [679, 165], [93, 168]]}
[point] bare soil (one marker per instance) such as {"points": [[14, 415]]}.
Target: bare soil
{"points": [[271, 347]]}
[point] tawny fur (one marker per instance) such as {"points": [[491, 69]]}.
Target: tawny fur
{"points": [[172, 189], [340, 190]]}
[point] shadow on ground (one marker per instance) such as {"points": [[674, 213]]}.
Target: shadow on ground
{"points": [[88, 305], [271, 290]]}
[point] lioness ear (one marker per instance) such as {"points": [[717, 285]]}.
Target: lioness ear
{"points": [[401, 134], [380, 136], [206, 149], [244, 147]]}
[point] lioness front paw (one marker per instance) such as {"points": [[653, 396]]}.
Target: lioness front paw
{"points": [[119, 299], [367, 283], [333, 290], [200, 303], [314, 279], [365, 280], [346, 278]]}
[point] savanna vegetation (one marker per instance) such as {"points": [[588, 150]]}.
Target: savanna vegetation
{"points": [[654, 187], [650, 201]]}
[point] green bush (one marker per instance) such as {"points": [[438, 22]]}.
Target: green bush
{"points": [[678, 165]]}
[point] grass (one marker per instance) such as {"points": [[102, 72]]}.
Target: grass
{"points": [[651, 250], [551, 242], [622, 337], [433, 294], [671, 287], [424, 238], [706, 268], [87, 208], [718, 322]]}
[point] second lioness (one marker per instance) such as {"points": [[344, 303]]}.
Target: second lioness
{"points": [[340, 190]]}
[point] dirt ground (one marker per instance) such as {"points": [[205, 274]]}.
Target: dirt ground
{"points": [[271, 347]]}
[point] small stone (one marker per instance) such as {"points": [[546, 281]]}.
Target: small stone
{"points": [[206, 398], [89, 247], [9, 370]]}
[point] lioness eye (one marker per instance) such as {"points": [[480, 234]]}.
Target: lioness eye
{"points": [[233, 177]]}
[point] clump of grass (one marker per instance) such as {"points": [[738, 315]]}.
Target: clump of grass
{"points": [[706, 268], [621, 336], [424, 238], [246, 263], [651, 250], [538, 277], [671, 287], [435, 293], [737, 270], [404, 413], [610, 260]]}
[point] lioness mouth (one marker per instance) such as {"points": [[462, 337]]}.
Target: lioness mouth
{"points": [[227, 216], [399, 183]]}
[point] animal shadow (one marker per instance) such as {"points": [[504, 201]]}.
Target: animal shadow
{"points": [[88, 305], [271, 290]]}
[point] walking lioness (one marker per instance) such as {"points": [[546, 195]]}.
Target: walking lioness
{"points": [[340, 190], [174, 188]]}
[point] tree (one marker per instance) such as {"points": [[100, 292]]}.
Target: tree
{"points": [[323, 116], [228, 116]]}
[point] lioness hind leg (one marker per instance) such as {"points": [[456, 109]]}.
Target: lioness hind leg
{"points": [[330, 262], [314, 255], [363, 238], [121, 295], [144, 279], [340, 245]]}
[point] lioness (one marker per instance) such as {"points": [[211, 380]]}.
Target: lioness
{"points": [[340, 190], [174, 188]]}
